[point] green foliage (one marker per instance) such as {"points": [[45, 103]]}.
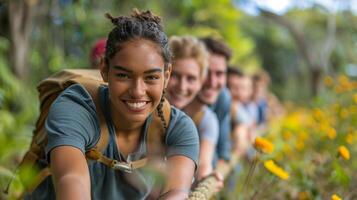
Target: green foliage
{"points": [[17, 115]]}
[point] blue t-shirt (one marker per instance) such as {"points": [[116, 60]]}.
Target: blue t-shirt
{"points": [[247, 114], [72, 121], [222, 108], [208, 129]]}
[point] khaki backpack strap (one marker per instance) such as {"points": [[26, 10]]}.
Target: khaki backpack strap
{"points": [[93, 90], [197, 118], [156, 131], [96, 152], [41, 176], [234, 111], [155, 144], [96, 155]]}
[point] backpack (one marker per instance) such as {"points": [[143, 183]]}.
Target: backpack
{"points": [[91, 80]]}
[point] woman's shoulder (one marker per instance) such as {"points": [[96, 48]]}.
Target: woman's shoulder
{"points": [[178, 116], [180, 122], [74, 96], [76, 91], [209, 119], [208, 113]]}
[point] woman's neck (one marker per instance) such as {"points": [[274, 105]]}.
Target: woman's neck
{"points": [[192, 108], [124, 126]]}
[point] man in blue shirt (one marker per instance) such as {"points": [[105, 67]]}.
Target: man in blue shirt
{"points": [[215, 94]]}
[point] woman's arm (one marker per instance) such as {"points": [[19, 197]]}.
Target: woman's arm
{"points": [[207, 150], [180, 170], [70, 173]]}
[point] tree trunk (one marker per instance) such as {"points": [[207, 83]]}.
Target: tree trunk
{"points": [[316, 68], [316, 75], [20, 21]]}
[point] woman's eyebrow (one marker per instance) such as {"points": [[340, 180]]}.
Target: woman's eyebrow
{"points": [[153, 70], [122, 69]]}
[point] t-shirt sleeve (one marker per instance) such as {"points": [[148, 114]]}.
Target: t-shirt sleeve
{"points": [[222, 110], [72, 120], [209, 128], [182, 137]]}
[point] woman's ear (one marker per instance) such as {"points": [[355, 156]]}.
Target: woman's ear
{"points": [[104, 69], [167, 74]]}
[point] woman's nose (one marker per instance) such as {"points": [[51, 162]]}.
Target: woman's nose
{"points": [[138, 88]]}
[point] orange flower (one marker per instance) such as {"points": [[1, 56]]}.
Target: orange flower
{"points": [[276, 170], [263, 145], [344, 153]]}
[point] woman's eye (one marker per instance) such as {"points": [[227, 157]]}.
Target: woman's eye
{"points": [[152, 77], [191, 79]]}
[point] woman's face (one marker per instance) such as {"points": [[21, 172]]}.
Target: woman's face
{"points": [[136, 79], [185, 82]]}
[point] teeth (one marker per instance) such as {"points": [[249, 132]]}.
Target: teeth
{"points": [[136, 105]]}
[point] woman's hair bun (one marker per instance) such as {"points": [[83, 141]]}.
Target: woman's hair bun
{"points": [[146, 16]]}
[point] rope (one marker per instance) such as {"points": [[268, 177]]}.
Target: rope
{"points": [[205, 189]]}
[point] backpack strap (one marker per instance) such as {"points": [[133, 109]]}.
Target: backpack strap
{"points": [[155, 143], [234, 111], [197, 117]]}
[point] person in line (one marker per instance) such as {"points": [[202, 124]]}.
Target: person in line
{"points": [[97, 53], [136, 66], [269, 105], [246, 110], [216, 95], [189, 70]]}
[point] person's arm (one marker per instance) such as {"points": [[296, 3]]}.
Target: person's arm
{"points": [[209, 131], [70, 173], [182, 154], [207, 149], [71, 128], [180, 170], [223, 112], [224, 142]]}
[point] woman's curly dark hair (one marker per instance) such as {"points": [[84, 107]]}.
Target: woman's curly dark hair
{"points": [[139, 25]]}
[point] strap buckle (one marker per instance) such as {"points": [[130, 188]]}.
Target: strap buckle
{"points": [[127, 167]]}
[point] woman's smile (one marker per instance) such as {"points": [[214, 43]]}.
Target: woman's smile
{"points": [[136, 105]]}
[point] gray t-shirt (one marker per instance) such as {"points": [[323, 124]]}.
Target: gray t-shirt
{"points": [[208, 128], [72, 121]]}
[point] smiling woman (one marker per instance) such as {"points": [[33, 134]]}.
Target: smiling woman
{"points": [[137, 68], [188, 73]]}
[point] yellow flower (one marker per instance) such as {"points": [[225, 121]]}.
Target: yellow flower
{"points": [[343, 152], [303, 195], [318, 114], [300, 145], [343, 80], [331, 133], [335, 197], [349, 138], [344, 113], [263, 145], [276, 170], [328, 81], [287, 135]]}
